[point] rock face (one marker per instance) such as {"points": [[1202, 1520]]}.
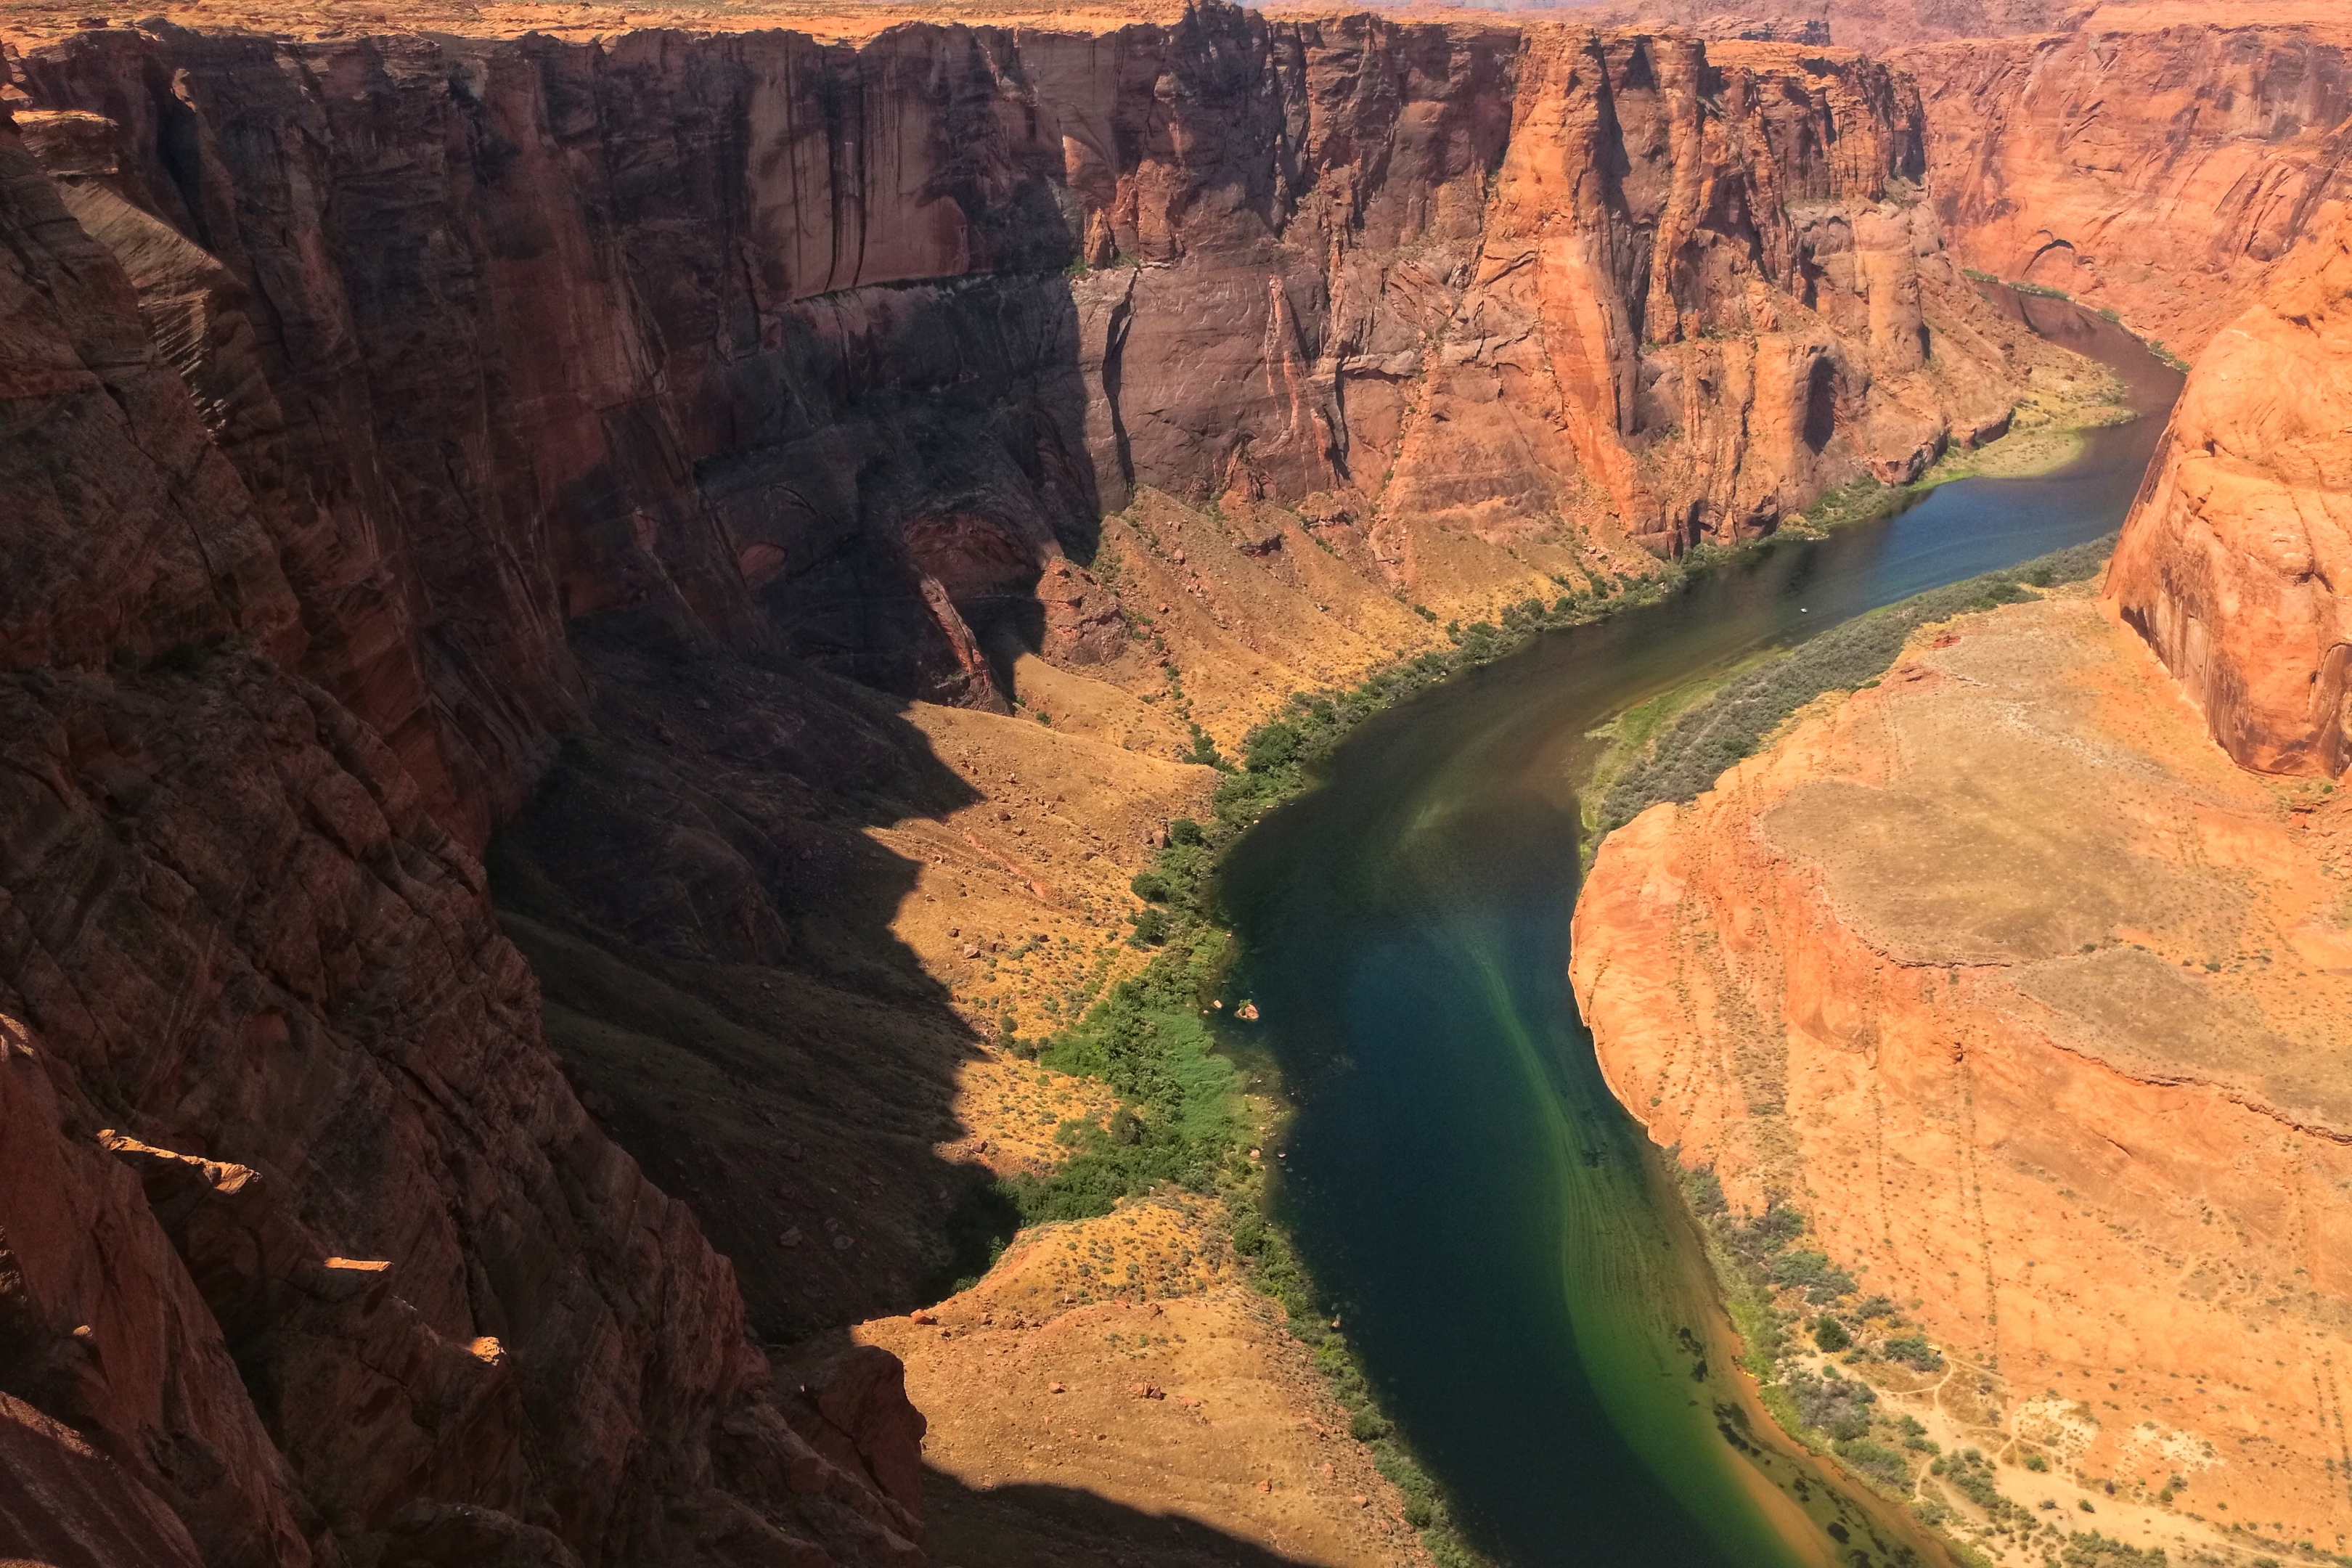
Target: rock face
{"points": [[2150, 163], [1697, 304], [2011, 983], [846, 346], [1872, 24], [357, 1277], [375, 412], [2237, 558]]}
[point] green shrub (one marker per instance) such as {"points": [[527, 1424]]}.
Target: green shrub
{"points": [[1204, 752], [1873, 1459], [1913, 1350], [1841, 1407], [1824, 1280], [1692, 753], [1270, 746], [1829, 1335]]}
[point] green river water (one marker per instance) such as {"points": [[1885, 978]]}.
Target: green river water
{"points": [[1512, 1260]]}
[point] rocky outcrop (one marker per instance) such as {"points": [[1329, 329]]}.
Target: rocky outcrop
{"points": [[2159, 170], [845, 347], [1874, 25], [2036, 1008], [356, 1275], [1700, 302], [2236, 561], [379, 410], [711, 323]]}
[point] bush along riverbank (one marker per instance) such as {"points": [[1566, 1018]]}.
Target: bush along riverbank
{"points": [[1185, 1116], [1185, 1121], [1689, 753], [1844, 1372]]}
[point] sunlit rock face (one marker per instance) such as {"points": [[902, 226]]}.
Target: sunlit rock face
{"points": [[376, 413], [2158, 161], [2235, 561], [846, 345]]}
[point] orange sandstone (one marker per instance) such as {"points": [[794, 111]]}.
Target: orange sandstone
{"points": [[2037, 1006], [2236, 563]]}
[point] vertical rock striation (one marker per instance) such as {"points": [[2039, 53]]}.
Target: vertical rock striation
{"points": [[358, 1276], [2160, 171], [358, 396], [2236, 561], [1704, 297], [845, 346]]}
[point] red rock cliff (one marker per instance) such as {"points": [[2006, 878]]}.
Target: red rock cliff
{"points": [[843, 345], [1698, 302], [2157, 171], [2236, 561], [306, 1251], [341, 378]]}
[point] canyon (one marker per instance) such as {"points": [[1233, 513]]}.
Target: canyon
{"points": [[2023, 971], [600, 607], [2155, 160]]}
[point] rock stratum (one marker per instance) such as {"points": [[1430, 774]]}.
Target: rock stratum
{"points": [[2020, 989], [684, 449], [534, 569], [2157, 161], [2021, 986], [2237, 562]]}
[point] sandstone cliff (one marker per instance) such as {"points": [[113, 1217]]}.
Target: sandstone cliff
{"points": [[1697, 304], [756, 330], [2157, 161], [2036, 1007], [357, 1277], [2236, 563], [2021, 987], [686, 448]]}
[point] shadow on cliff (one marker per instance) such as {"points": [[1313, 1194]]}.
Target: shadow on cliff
{"points": [[1034, 1526], [711, 925], [908, 459]]}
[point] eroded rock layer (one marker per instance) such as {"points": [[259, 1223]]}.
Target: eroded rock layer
{"points": [[357, 1275], [686, 448], [2157, 161], [2036, 1007], [2236, 561], [846, 346]]}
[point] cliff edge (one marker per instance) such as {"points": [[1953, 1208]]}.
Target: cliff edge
{"points": [[2034, 1000], [2236, 564]]}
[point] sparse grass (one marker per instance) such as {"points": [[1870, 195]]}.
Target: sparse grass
{"points": [[1690, 754], [1183, 1119]]}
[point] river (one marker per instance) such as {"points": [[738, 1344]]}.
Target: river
{"points": [[1511, 1261]]}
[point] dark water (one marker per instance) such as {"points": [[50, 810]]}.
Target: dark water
{"points": [[1510, 1262]]}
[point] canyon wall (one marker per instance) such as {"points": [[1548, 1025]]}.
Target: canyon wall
{"points": [[1697, 305], [2152, 161], [841, 347], [2018, 986], [672, 446], [2236, 561], [2035, 1006], [307, 1253]]}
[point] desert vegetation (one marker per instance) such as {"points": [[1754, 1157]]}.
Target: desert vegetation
{"points": [[1690, 754]]}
